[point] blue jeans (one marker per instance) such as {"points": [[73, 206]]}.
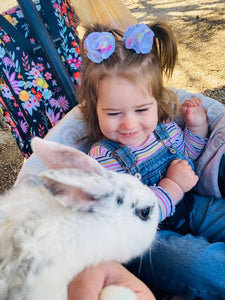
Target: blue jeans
{"points": [[188, 257]]}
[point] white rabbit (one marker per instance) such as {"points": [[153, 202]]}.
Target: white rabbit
{"points": [[81, 215]]}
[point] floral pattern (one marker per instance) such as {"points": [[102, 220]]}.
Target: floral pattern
{"points": [[31, 100]]}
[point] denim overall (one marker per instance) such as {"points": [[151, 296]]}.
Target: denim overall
{"points": [[151, 170]]}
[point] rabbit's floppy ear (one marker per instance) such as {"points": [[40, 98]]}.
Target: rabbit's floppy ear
{"points": [[58, 156], [75, 188]]}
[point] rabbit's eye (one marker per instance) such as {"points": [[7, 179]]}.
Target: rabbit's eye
{"points": [[143, 214], [119, 200]]}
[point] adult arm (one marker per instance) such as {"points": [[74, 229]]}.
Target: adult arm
{"points": [[89, 283]]}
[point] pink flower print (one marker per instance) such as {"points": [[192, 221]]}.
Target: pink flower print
{"points": [[32, 40], [24, 126], [53, 118], [7, 61], [63, 103], [34, 72], [77, 64], [70, 61], [48, 75], [6, 38], [14, 83], [34, 101], [15, 104], [27, 106], [40, 67], [31, 105], [6, 92], [20, 114], [57, 6], [53, 102]]}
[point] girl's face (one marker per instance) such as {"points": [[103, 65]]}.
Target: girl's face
{"points": [[126, 114]]}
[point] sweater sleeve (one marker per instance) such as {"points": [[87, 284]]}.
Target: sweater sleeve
{"points": [[191, 145], [105, 158], [194, 144], [166, 204]]}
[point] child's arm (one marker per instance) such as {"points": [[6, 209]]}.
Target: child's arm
{"points": [[195, 117], [179, 179]]}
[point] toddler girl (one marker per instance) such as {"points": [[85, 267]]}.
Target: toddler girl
{"points": [[129, 112]]}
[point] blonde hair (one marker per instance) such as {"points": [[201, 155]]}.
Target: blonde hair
{"points": [[130, 65]]}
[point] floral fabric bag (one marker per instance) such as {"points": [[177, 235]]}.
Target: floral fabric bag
{"points": [[33, 98]]}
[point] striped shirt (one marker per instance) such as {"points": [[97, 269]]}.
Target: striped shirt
{"points": [[187, 143]]}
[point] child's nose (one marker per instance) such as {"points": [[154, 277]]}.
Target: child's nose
{"points": [[128, 123]]}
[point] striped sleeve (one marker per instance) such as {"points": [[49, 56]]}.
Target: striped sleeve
{"points": [[105, 158], [194, 144], [189, 144], [166, 204]]}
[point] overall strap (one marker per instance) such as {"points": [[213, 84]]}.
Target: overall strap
{"points": [[123, 155], [161, 135], [161, 132]]}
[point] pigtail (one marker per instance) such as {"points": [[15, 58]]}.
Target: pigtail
{"points": [[165, 45]]}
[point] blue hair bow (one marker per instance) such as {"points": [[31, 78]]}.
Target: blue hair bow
{"points": [[99, 46], [139, 38]]}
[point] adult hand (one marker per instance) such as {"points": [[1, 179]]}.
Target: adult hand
{"points": [[89, 283]]}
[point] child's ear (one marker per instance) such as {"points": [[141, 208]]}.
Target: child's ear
{"points": [[63, 156]]}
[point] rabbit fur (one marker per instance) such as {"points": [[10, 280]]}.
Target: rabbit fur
{"points": [[81, 214]]}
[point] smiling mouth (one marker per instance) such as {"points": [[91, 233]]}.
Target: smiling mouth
{"points": [[129, 134]]}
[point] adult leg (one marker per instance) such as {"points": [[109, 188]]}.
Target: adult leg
{"points": [[188, 258], [207, 218], [184, 265]]}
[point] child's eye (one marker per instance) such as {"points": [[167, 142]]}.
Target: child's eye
{"points": [[113, 114], [141, 110]]}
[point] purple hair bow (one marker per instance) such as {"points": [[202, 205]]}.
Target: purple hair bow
{"points": [[99, 46], [139, 38]]}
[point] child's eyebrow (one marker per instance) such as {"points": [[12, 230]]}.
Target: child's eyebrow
{"points": [[117, 109], [111, 109], [145, 104]]}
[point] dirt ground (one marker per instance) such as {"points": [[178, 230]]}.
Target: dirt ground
{"points": [[200, 29]]}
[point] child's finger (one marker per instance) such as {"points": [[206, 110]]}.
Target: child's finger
{"points": [[175, 161], [196, 101], [193, 102], [185, 162], [188, 103]]}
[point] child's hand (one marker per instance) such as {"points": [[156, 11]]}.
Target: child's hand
{"points": [[193, 112], [179, 179], [182, 174], [195, 116]]}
